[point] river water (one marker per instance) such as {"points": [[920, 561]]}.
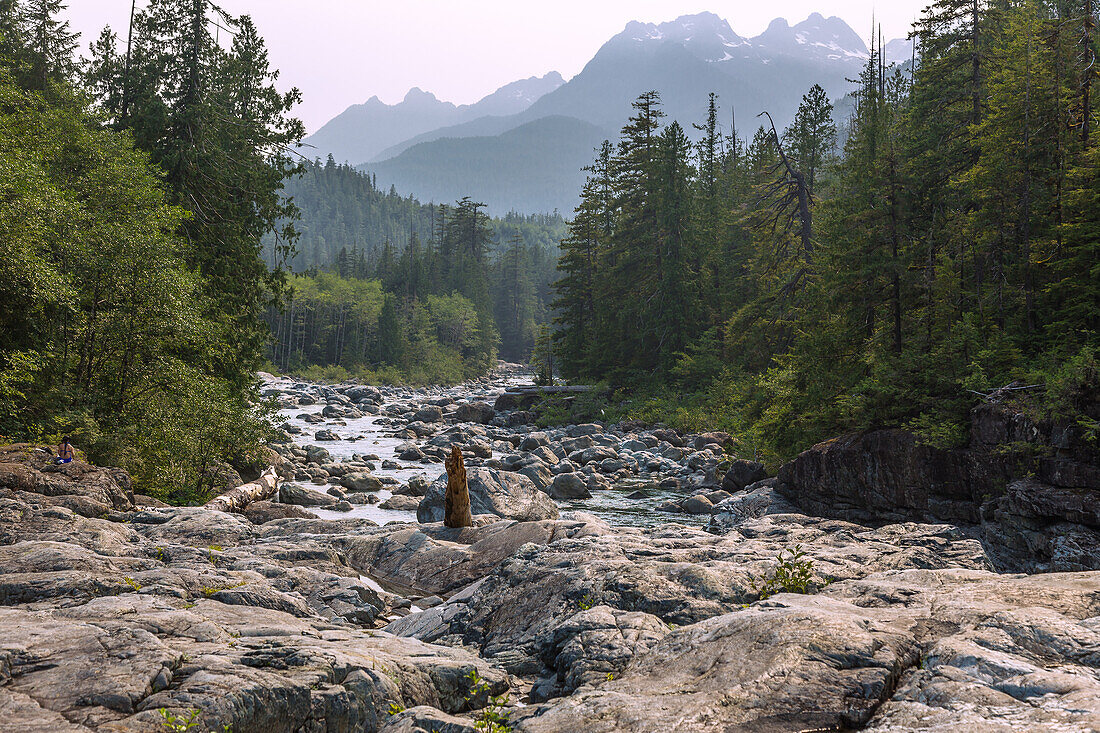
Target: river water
{"points": [[373, 435]]}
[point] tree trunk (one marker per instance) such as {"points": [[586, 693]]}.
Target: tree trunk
{"points": [[456, 502], [237, 499]]}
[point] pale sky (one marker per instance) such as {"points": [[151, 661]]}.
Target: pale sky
{"points": [[342, 52]]}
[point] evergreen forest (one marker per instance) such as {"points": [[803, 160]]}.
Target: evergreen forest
{"points": [[788, 287], [418, 256], [162, 238], [136, 185]]}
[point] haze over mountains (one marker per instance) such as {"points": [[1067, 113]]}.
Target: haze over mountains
{"points": [[524, 146]]}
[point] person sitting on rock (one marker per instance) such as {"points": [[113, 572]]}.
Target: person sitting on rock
{"points": [[65, 452]]}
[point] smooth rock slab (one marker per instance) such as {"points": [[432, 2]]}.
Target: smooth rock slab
{"points": [[796, 663]]}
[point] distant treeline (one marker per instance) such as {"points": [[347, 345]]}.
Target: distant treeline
{"points": [[417, 256]]}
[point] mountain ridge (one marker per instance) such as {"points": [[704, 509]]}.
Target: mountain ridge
{"points": [[683, 59], [417, 113]]}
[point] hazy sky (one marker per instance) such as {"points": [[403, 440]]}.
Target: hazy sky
{"points": [[341, 52]]}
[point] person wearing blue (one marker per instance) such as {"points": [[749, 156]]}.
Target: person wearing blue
{"points": [[65, 452]]}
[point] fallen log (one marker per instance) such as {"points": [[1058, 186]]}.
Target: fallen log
{"points": [[528, 390], [237, 499], [456, 502]]}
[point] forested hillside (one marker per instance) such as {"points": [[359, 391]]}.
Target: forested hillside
{"points": [[132, 202], [342, 210], [377, 271], [787, 291], [437, 309]]}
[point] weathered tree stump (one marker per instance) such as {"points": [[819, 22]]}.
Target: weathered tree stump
{"points": [[456, 502]]}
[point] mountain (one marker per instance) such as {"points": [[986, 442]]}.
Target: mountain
{"points": [[684, 59], [899, 51], [818, 39], [531, 168], [362, 131]]}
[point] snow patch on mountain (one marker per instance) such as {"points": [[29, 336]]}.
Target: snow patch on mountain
{"points": [[711, 38]]}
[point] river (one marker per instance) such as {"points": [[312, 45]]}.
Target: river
{"points": [[630, 501]]}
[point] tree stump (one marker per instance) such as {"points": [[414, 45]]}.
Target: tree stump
{"points": [[456, 502]]}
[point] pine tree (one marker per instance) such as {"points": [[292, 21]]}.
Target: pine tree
{"points": [[581, 266], [634, 274], [811, 137], [50, 44], [214, 121]]}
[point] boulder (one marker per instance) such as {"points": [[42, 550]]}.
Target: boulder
{"points": [[569, 486], [318, 455], [715, 438], [23, 467], [360, 481], [478, 449], [260, 512], [698, 504], [492, 491], [742, 473], [410, 452], [475, 412], [327, 435], [597, 643], [593, 454], [539, 474], [754, 502], [296, 494], [417, 486], [669, 436], [401, 503], [429, 414], [788, 683], [533, 441]]}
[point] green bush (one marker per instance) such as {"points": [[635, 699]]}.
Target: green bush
{"points": [[792, 574]]}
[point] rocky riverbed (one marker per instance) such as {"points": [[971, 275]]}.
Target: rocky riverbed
{"points": [[626, 475], [616, 578]]}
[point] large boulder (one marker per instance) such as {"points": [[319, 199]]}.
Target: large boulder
{"points": [[476, 412], [24, 467], [593, 454], [261, 512], [296, 494], [743, 473], [569, 486], [431, 413], [801, 664], [598, 642], [505, 494], [698, 504], [539, 474], [884, 475], [360, 481]]}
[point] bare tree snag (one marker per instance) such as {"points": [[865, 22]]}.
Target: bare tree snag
{"points": [[456, 502], [237, 499], [798, 193]]}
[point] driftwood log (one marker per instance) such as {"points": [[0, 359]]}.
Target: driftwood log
{"points": [[566, 389], [456, 502], [237, 499]]}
